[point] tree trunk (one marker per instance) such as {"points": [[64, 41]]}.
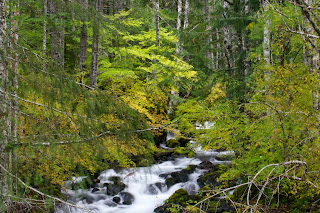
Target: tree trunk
{"points": [[227, 40], [3, 98], [210, 56], [95, 44], [178, 47], [266, 42], [83, 40], [57, 32], [311, 55], [186, 24], [157, 22], [44, 42]]}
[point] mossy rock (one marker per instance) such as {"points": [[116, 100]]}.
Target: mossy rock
{"points": [[183, 141], [180, 196], [192, 209], [178, 151], [173, 143], [168, 208], [209, 179]]}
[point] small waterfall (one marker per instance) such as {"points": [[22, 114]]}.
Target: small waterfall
{"points": [[144, 188]]}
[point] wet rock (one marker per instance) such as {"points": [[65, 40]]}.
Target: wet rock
{"points": [[207, 165], [115, 179], [160, 138], [90, 198], [165, 209], [160, 185], [110, 203], [116, 187], [178, 177], [164, 155], [95, 190], [152, 189], [209, 179], [127, 197], [116, 199], [113, 189], [127, 203]]}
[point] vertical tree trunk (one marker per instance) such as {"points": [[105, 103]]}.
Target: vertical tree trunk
{"points": [[44, 39], [186, 24], [95, 44], [227, 39], [14, 83], [209, 54], [311, 57], [83, 40], [56, 32], [3, 98], [246, 44], [178, 47], [266, 41], [157, 21]]}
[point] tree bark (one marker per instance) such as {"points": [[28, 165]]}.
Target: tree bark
{"points": [[157, 21], [178, 47], [44, 39], [311, 55], [266, 41], [210, 56], [3, 97], [83, 40], [227, 39], [57, 32], [95, 44]]}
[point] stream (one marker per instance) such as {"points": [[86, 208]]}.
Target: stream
{"points": [[142, 189]]}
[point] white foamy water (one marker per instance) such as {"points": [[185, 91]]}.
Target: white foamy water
{"points": [[141, 183], [144, 183]]}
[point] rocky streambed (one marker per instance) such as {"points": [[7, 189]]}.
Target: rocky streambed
{"points": [[145, 189]]}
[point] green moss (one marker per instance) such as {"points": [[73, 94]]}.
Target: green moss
{"points": [[183, 151], [183, 141], [192, 209], [172, 143], [180, 196]]}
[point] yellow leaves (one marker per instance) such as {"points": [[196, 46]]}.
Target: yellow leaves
{"points": [[217, 92]]}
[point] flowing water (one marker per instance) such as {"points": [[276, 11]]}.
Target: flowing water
{"points": [[145, 187]]}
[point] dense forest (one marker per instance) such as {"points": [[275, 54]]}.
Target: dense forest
{"points": [[88, 85]]}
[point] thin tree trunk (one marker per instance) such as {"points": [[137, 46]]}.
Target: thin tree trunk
{"points": [[210, 56], [311, 57], [3, 97], [157, 22], [186, 23], [95, 45], [83, 40], [227, 39], [247, 42], [178, 47], [14, 84], [44, 39], [56, 33], [266, 42]]}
